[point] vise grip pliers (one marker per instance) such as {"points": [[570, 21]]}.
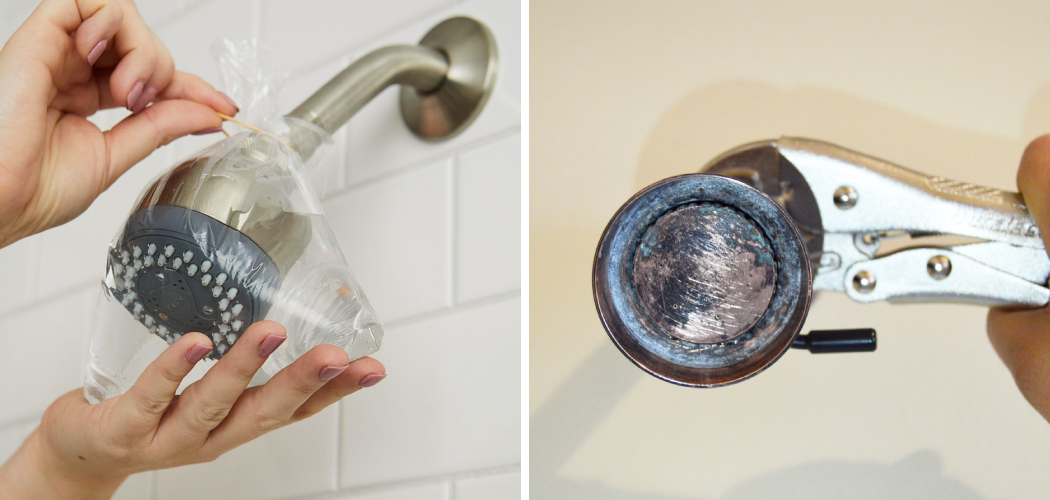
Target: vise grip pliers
{"points": [[878, 231]]}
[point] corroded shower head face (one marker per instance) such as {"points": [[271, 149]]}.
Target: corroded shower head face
{"points": [[702, 280]]}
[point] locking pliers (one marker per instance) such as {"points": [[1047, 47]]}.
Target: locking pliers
{"points": [[878, 231]]}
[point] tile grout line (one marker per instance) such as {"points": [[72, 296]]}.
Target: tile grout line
{"points": [[368, 42], [448, 311], [428, 161], [338, 471], [438, 479], [453, 230], [257, 19]]}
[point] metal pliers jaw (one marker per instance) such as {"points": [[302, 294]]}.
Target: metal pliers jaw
{"points": [[878, 231]]}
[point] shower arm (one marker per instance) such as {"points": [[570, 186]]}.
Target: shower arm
{"points": [[342, 97], [445, 82]]}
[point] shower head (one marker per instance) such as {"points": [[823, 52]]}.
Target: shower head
{"points": [[702, 280], [210, 242]]}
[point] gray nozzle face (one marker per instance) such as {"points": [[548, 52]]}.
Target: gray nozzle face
{"points": [[179, 271], [702, 280]]}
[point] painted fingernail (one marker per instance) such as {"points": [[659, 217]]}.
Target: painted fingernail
{"points": [[230, 100], [329, 372], [270, 344], [197, 353], [147, 96], [372, 379], [133, 96], [207, 131], [97, 51]]}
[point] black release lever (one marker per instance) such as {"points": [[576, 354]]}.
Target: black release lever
{"points": [[822, 341]]}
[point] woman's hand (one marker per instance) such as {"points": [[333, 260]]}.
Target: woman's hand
{"points": [[1022, 337], [84, 451], [70, 59]]}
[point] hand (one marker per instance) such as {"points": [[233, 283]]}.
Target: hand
{"points": [[84, 451], [70, 59], [1022, 337]]}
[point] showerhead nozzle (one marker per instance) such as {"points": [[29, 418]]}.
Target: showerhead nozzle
{"points": [[178, 271], [702, 280], [209, 243]]}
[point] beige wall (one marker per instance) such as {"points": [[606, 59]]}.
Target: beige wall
{"points": [[625, 93]]}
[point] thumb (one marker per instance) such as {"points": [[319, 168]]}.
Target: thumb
{"points": [[138, 135]]}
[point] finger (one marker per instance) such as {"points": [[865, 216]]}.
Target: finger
{"points": [[193, 88], [136, 136], [45, 36], [141, 408], [102, 19], [1022, 340], [140, 73], [215, 393], [363, 373], [1033, 180], [272, 405]]}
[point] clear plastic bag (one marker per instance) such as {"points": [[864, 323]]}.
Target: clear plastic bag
{"points": [[232, 235]]}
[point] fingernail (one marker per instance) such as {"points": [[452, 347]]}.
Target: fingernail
{"points": [[133, 96], [329, 372], [197, 353], [270, 344], [97, 51], [145, 99], [207, 131], [230, 100], [372, 379]]}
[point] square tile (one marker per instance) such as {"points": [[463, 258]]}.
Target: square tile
{"points": [[494, 487], [488, 220], [303, 37], [425, 492], [293, 461], [11, 438], [396, 235], [190, 36], [18, 262], [451, 402], [41, 355]]}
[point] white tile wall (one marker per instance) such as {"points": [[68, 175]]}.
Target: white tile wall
{"points": [[396, 234], [449, 404], [425, 492], [296, 460], [488, 181], [431, 230], [495, 487]]}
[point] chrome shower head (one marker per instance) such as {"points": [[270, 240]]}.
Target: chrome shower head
{"points": [[209, 243], [702, 280], [207, 247]]}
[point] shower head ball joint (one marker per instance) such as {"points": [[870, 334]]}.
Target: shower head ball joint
{"points": [[702, 280]]}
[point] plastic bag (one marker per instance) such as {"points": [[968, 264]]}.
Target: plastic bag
{"points": [[230, 236]]}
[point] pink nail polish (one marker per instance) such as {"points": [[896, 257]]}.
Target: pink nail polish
{"points": [[133, 96], [97, 51], [329, 372], [230, 100], [372, 379], [207, 131], [147, 96], [197, 353], [270, 344]]}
